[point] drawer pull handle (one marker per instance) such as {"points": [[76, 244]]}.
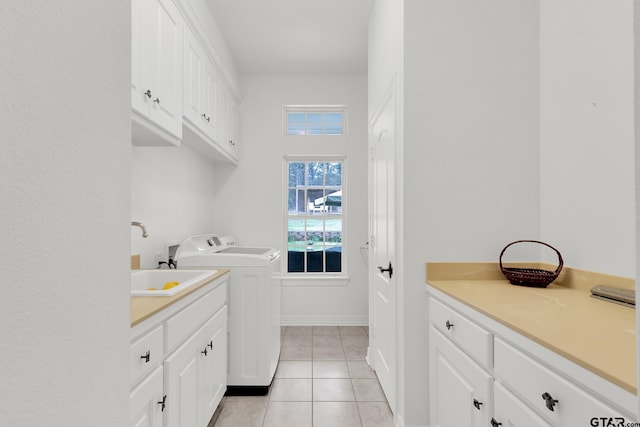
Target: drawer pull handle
{"points": [[477, 404], [146, 357], [210, 345], [494, 423], [449, 325], [163, 402], [148, 93], [204, 351], [550, 401]]}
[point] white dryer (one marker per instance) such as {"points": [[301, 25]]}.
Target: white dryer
{"points": [[253, 306]]}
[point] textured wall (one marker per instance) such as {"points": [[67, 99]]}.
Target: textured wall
{"points": [[64, 191]]}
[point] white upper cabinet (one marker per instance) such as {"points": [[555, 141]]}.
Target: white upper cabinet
{"points": [[209, 112], [200, 88], [229, 119], [156, 72]]}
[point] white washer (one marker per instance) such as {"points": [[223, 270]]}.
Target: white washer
{"points": [[253, 306]]}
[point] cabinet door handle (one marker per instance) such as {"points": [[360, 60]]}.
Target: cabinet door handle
{"points": [[146, 357], [494, 423], [157, 101], [148, 93], [210, 345], [205, 352], [163, 402], [549, 401], [477, 404], [449, 325], [387, 270]]}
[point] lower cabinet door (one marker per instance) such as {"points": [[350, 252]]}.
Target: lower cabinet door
{"points": [[460, 390], [214, 376], [145, 401], [182, 372], [511, 411]]}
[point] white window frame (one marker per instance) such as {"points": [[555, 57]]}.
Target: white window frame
{"points": [[340, 277], [286, 109]]}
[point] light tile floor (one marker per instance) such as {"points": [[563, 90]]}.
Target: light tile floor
{"points": [[322, 380]]}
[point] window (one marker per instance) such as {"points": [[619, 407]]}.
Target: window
{"points": [[314, 220], [314, 120]]}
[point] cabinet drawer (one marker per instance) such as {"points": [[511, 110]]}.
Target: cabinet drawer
{"points": [[532, 381], [145, 354], [183, 324], [474, 340]]}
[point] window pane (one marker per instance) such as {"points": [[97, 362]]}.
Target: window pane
{"points": [[314, 129], [333, 117], [334, 173], [314, 121], [315, 173], [295, 129], [333, 232], [295, 202], [296, 245], [331, 130], [314, 117], [296, 174], [295, 118], [315, 201]]}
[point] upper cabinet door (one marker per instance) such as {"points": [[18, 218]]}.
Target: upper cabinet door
{"points": [[200, 87], [194, 60], [140, 56], [210, 100], [156, 68], [167, 73]]}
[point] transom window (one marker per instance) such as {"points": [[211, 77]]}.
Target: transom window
{"points": [[314, 120], [314, 215]]}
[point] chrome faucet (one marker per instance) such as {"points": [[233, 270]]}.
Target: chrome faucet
{"points": [[139, 224]]}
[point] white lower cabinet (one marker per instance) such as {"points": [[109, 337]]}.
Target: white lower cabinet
{"points": [[511, 388], [190, 380], [460, 389], [145, 401], [511, 411], [193, 379]]}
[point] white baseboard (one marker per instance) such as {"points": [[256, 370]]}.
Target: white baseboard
{"points": [[299, 320]]}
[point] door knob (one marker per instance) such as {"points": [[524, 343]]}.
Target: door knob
{"points": [[388, 269]]}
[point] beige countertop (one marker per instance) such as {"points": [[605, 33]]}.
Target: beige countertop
{"points": [[144, 307], [597, 335]]}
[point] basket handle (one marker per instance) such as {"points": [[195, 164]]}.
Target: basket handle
{"points": [[560, 261]]}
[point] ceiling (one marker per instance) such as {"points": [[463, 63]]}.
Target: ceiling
{"points": [[295, 36]]}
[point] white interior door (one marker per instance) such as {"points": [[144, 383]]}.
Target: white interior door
{"points": [[382, 242]]}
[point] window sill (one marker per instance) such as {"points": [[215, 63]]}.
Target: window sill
{"points": [[307, 280]]}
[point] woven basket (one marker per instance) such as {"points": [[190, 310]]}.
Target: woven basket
{"points": [[532, 277]]}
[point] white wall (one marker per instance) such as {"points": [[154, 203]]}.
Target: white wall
{"points": [[468, 160], [587, 133], [249, 199], [64, 169], [172, 195], [470, 147]]}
